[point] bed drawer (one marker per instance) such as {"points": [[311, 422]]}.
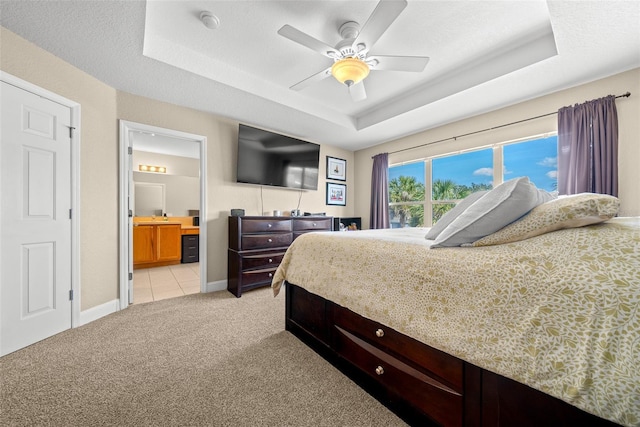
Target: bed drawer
{"points": [[264, 241], [435, 399], [443, 366]]}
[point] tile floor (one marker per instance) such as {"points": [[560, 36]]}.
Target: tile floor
{"points": [[154, 284]]}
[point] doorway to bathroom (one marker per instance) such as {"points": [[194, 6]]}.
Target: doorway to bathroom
{"points": [[163, 205]]}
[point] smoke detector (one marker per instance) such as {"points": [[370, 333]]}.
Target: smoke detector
{"points": [[209, 20]]}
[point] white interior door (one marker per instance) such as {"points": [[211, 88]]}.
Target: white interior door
{"points": [[35, 224]]}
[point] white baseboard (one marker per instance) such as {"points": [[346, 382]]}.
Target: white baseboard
{"points": [[95, 313], [220, 285]]}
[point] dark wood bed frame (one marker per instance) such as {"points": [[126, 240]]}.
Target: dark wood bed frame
{"points": [[422, 385]]}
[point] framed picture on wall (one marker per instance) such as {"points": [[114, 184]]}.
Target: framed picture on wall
{"points": [[336, 169], [336, 194]]}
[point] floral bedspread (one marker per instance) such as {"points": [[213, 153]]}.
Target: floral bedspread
{"points": [[559, 312]]}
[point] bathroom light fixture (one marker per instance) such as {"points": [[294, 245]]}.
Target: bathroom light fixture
{"points": [[209, 20], [350, 70], [150, 168]]}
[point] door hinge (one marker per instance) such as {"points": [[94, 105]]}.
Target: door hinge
{"points": [[71, 129], [130, 213], [130, 276], [130, 150], [71, 295], [70, 214]]}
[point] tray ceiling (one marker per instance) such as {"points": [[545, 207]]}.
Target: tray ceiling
{"points": [[484, 55]]}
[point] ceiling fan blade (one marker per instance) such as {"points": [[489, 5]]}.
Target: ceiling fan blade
{"points": [[382, 17], [398, 63], [357, 92], [306, 40], [311, 80]]}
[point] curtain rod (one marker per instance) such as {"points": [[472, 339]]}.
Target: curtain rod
{"points": [[625, 95]]}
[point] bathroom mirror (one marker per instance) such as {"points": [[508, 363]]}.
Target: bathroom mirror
{"points": [[149, 199]]}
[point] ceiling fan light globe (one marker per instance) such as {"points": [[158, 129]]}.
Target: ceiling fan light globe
{"points": [[350, 71]]}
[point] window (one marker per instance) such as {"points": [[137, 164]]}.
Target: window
{"points": [[451, 178], [406, 195], [536, 158], [457, 176]]}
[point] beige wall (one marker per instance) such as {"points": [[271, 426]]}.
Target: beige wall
{"points": [[223, 192], [182, 180], [629, 136], [98, 159], [101, 107], [176, 165]]}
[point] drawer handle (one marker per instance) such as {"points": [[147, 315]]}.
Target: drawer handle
{"points": [[379, 333], [268, 225], [270, 274], [270, 260], [379, 370], [314, 224], [270, 240]]}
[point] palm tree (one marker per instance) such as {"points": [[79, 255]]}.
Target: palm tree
{"points": [[406, 189], [446, 189], [449, 190]]}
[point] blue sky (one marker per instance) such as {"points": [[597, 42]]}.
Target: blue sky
{"points": [[536, 159]]}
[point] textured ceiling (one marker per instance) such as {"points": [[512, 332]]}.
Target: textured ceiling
{"points": [[484, 55]]}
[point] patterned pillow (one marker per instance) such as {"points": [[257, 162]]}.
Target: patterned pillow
{"points": [[572, 211]]}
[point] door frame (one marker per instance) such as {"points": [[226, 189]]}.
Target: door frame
{"points": [[75, 182], [125, 225]]}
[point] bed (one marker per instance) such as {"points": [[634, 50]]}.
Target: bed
{"points": [[540, 330]]}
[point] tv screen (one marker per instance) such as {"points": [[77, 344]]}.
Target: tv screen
{"points": [[267, 158]]}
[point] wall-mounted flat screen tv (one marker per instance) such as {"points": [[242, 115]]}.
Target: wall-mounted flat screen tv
{"points": [[267, 158]]}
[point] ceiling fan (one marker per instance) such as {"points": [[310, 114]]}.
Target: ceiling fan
{"points": [[352, 62]]}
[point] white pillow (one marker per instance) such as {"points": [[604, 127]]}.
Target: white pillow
{"points": [[493, 211], [452, 214]]}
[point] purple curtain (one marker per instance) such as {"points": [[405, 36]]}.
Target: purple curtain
{"points": [[588, 147], [380, 192]]}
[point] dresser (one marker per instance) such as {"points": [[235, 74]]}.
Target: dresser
{"points": [[258, 243]]}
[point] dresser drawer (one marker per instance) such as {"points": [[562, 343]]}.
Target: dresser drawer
{"points": [[261, 261], [265, 241], [254, 277], [265, 226], [190, 239], [190, 257], [439, 364], [314, 224], [402, 379]]}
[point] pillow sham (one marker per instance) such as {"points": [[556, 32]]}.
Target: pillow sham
{"points": [[491, 212], [572, 211], [452, 214]]}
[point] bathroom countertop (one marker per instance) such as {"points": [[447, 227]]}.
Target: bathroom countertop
{"points": [[160, 222]]}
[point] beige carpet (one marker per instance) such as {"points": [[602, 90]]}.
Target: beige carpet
{"points": [[197, 360]]}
